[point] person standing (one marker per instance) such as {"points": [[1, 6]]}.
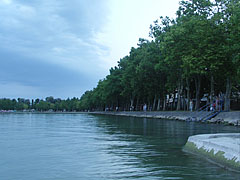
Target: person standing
{"points": [[191, 105], [145, 107]]}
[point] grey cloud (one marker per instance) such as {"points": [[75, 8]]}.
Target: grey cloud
{"points": [[50, 45], [37, 73], [42, 26], [43, 76]]}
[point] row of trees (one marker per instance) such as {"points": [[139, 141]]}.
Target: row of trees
{"points": [[196, 54], [41, 105]]}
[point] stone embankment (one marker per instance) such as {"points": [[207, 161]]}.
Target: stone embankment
{"points": [[223, 149], [229, 118], [232, 118]]}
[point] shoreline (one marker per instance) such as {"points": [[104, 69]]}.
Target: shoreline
{"points": [[226, 118], [231, 118]]}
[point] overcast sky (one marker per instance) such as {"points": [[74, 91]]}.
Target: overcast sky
{"points": [[62, 48]]}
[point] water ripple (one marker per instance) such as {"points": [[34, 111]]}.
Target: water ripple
{"points": [[78, 146]]}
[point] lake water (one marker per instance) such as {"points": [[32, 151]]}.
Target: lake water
{"points": [[91, 147]]}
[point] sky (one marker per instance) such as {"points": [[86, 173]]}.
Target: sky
{"points": [[62, 48]]}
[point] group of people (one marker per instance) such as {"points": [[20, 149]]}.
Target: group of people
{"points": [[217, 104]]}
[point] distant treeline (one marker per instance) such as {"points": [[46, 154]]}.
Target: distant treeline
{"points": [[193, 56], [41, 105]]}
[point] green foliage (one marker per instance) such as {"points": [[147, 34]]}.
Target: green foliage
{"points": [[40, 105], [202, 42], [7, 104]]}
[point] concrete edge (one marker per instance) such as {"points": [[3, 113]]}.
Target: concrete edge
{"points": [[174, 115], [209, 146]]}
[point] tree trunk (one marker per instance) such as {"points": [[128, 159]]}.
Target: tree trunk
{"points": [[154, 102], [118, 102], [184, 100], [180, 88], [173, 107], [112, 106], [149, 105], [172, 103], [159, 102], [131, 102], [228, 94], [212, 90], [188, 93], [128, 107], [198, 86], [137, 105], [164, 103]]}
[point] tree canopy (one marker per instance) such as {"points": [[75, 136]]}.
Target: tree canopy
{"points": [[194, 55]]}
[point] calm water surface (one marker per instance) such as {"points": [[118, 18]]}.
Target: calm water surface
{"points": [[87, 147]]}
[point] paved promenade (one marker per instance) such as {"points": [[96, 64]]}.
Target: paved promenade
{"points": [[229, 118]]}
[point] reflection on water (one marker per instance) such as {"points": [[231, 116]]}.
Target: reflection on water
{"points": [[80, 146]]}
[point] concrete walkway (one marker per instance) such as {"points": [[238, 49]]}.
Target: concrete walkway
{"points": [[230, 118], [223, 148]]}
